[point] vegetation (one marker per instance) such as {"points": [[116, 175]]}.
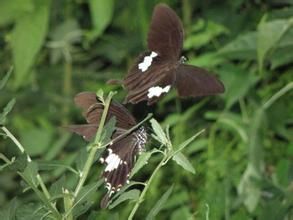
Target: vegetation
{"points": [[222, 157]]}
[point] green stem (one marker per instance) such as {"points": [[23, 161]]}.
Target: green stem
{"points": [[43, 187], [276, 96], [142, 195], [67, 84], [94, 149], [8, 133], [68, 203]]}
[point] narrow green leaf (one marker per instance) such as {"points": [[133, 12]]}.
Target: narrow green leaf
{"points": [[52, 165], [159, 132], [183, 162], [129, 195], [187, 142], [142, 160], [85, 199], [6, 110], [5, 78], [108, 130], [101, 15], [27, 39], [159, 205], [100, 95]]}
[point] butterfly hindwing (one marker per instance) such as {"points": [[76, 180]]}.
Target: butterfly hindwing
{"points": [[195, 81]]}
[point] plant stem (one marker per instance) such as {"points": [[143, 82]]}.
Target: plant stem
{"points": [[142, 195], [94, 149], [8, 133], [43, 187], [277, 95], [68, 203]]}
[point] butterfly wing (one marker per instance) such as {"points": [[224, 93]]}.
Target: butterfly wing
{"points": [[139, 86], [119, 160], [165, 35], [87, 131], [195, 81], [93, 109]]}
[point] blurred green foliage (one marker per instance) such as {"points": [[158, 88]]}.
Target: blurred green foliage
{"points": [[244, 160]]}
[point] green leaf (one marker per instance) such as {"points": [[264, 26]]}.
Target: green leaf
{"points": [[19, 164], [6, 110], [5, 78], [56, 188], [159, 133], [159, 205], [210, 31], [101, 15], [243, 47], [129, 195], [142, 160], [238, 83], [108, 130], [11, 10], [269, 35], [27, 39], [183, 162], [30, 174]]}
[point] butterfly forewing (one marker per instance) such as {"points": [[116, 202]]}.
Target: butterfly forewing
{"points": [[93, 110], [195, 81], [165, 35]]}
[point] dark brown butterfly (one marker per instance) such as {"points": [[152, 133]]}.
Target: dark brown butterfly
{"points": [[156, 71], [119, 157]]}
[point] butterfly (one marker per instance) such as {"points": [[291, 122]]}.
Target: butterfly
{"points": [[119, 157], [162, 67]]}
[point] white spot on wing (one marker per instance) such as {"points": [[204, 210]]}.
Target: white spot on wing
{"points": [[147, 61], [157, 91], [113, 161]]}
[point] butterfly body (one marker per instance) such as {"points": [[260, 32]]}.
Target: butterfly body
{"points": [[162, 67]]}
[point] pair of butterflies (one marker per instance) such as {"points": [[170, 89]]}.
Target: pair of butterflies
{"points": [[154, 73]]}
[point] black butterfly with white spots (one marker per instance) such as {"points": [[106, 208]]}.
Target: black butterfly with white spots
{"points": [[161, 68], [119, 157]]}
